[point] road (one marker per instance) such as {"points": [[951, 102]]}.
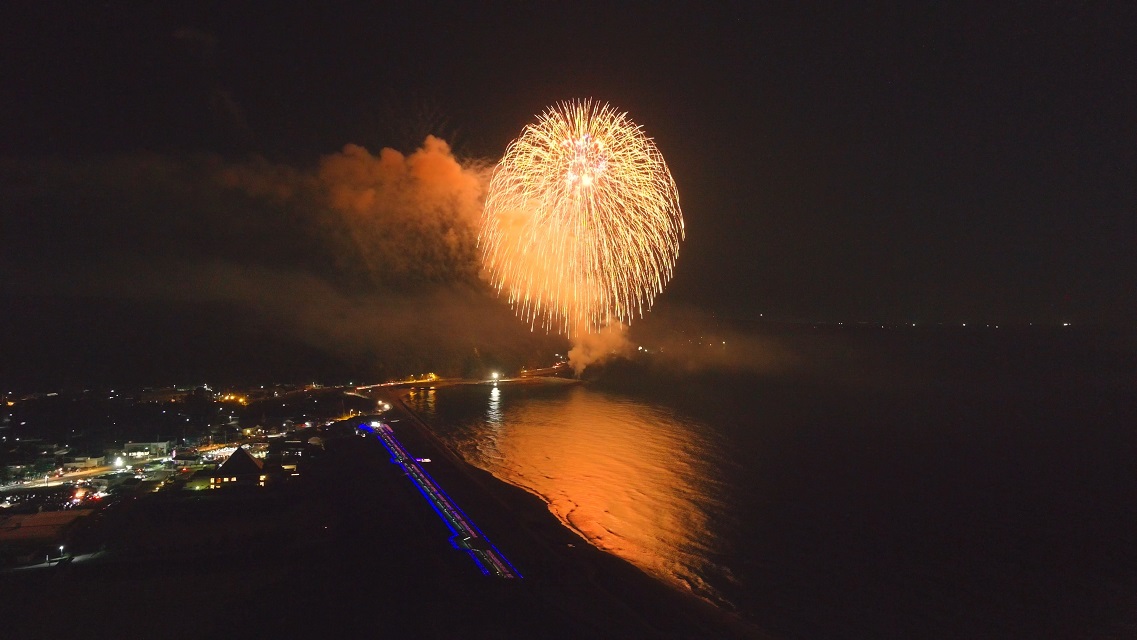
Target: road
{"points": [[466, 535], [72, 476], [55, 481]]}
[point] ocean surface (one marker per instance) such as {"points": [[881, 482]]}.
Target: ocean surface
{"points": [[941, 483]]}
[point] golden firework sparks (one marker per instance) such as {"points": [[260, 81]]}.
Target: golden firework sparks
{"points": [[582, 224]]}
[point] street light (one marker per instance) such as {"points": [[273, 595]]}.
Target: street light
{"points": [[495, 375]]}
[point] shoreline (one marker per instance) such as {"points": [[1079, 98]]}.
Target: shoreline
{"points": [[564, 552]]}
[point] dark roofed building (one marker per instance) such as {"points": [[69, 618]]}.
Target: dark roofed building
{"points": [[186, 458], [240, 470]]}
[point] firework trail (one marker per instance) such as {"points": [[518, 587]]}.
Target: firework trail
{"points": [[581, 226]]}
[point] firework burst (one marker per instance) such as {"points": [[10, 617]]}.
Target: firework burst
{"points": [[581, 226]]}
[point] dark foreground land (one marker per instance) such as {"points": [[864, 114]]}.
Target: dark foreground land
{"points": [[352, 548]]}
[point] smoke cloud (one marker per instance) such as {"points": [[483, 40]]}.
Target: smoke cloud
{"points": [[594, 348], [690, 342], [395, 218], [453, 329], [370, 257]]}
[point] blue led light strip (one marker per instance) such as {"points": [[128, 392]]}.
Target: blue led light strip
{"points": [[465, 534]]}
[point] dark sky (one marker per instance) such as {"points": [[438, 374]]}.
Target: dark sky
{"points": [[935, 162]]}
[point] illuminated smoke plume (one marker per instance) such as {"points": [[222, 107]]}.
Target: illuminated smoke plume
{"points": [[399, 218], [592, 348], [368, 257]]}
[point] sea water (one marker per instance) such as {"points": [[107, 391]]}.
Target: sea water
{"points": [[936, 484], [639, 480]]}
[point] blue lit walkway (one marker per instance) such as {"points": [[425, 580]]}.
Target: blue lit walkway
{"points": [[465, 536]]}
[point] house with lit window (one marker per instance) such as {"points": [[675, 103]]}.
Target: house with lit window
{"points": [[285, 455], [240, 470]]}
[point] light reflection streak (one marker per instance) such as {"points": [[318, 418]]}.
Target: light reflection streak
{"points": [[633, 479], [493, 412]]}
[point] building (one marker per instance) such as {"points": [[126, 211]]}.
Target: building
{"points": [[185, 459], [147, 449], [240, 470], [287, 453], [84, 463]]}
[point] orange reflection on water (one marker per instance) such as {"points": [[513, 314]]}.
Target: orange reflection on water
{"points": [[634, 479], [422, 399]]}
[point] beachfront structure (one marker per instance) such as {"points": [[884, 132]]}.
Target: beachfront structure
{"points": [[465, 534]]}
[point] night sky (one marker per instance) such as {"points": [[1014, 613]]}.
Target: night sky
{"points": [[168, 198]]}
